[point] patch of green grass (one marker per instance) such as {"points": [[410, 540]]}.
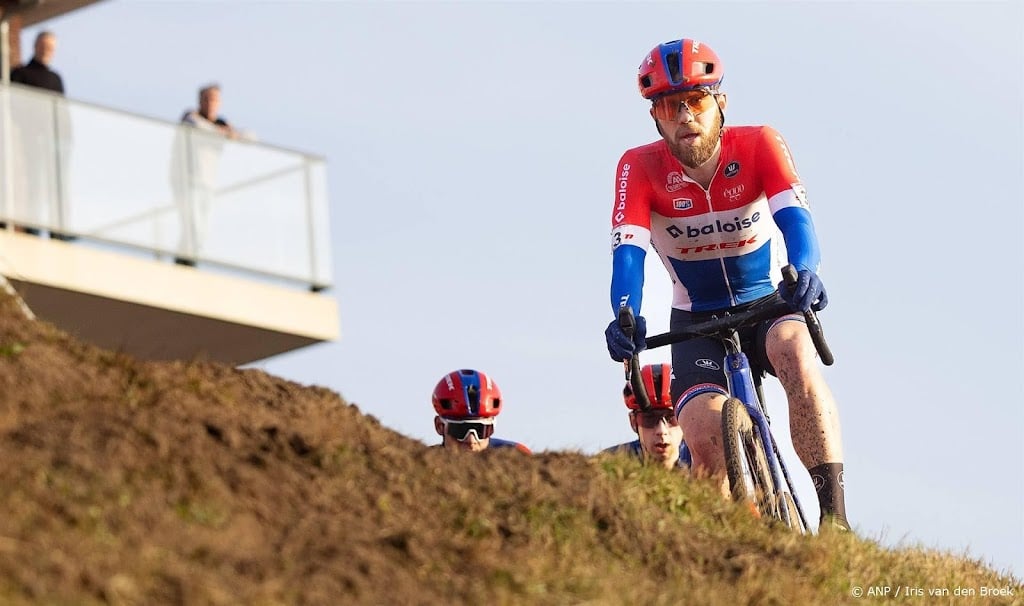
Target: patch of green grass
{"points": [[12, 349], [205, 514]]}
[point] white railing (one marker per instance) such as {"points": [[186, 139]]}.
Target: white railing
{"points": [[111, 178]]}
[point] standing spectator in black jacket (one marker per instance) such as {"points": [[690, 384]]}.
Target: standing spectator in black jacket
{"points": [[37, 72], [44, 194]]}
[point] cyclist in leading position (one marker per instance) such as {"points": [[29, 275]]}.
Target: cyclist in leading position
{"points": [[659, 437], [467, 403], [712, 200]]}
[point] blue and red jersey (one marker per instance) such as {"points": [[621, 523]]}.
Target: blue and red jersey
{"points": [[633, 448], [721, 245], [499, 443]]}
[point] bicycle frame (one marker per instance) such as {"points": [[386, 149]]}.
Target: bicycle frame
{"points": [[743, 387], [741, 381]]}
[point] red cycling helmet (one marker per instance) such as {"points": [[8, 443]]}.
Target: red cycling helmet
{"points": [[463, 394], [679, 65], [657, 379]]}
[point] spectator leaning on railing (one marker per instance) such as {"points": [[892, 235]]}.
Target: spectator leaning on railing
{"points": [[207, 116], [201, 181]]}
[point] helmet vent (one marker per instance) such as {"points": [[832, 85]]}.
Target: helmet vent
{"points": [[446, 403], [497, 403], [473, 395], [659, 378], [673, 62], [645, 81]]}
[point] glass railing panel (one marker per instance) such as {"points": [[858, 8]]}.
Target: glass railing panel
{"points": [[320, 224], [255, 213], [32, 193], [121, 177], [115, 178]]}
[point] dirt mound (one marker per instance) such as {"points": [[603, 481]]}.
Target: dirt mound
{"points": [[127, 482]]}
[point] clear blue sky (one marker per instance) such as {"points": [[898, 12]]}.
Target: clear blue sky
{"points": [[472, 149]]}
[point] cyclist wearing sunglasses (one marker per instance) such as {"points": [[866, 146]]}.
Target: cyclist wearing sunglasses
{"points": [[659, 437], [467, 403], [712, 202]]}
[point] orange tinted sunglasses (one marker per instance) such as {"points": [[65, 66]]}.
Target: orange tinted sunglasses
{"points": [[695, 101]]}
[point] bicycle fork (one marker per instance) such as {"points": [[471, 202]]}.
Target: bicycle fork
{"points": [[742, 386]]}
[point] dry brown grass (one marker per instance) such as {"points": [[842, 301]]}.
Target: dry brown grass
{"points": [[192, 483]]}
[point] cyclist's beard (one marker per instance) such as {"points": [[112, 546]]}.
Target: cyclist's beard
{"points": [[694, 156]]}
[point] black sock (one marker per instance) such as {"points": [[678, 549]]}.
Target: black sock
{"points": [[828, 483]]}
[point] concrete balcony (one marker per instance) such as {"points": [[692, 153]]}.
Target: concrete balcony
{"points": [[133, 194]]}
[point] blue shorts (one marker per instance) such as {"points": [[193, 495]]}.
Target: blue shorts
{"points": [[697, 363]]}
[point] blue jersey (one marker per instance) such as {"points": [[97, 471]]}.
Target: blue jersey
{"points": [[633, 448]]}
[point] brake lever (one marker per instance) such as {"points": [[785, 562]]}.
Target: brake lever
{"points": [[789, 274], [632, 366]]}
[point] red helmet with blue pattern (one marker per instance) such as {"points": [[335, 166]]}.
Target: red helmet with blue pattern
{"points": [[677, 66], [657, 380], [467, 394]]}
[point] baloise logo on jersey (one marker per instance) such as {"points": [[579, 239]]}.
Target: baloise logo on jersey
{"points": [[737, 224], [699, 245], [621, 194]]}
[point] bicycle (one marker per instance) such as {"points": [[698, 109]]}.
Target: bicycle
{"points": [[752, 467]]}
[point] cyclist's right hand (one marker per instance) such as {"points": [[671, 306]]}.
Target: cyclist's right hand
{"points": [[806, 294], [620, 346]]}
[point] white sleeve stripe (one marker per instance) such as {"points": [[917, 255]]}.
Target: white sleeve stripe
{"points": [[785, 199], [633, 235]]}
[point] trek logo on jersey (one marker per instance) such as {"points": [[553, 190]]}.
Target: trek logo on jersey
{"points": [[675, 181], [685, 250], [731, 169], [621, 194], [682, 204], [733, 193]]}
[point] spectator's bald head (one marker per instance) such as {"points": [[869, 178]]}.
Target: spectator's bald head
{"points": [[46, 47], [209, 101]]}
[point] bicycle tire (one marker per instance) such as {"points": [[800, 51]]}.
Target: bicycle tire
{"points": [[789, 513], [750, 479]]}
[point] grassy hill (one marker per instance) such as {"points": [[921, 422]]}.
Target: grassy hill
{"points": [[127, 482]]}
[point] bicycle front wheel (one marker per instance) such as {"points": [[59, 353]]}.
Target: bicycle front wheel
{"points": [[746, 463], [790, 513]]}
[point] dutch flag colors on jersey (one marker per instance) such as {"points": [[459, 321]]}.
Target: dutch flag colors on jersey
{"points": [[721, 246]]}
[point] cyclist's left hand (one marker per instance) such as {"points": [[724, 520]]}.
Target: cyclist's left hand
{"points": [[808, 292]]}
